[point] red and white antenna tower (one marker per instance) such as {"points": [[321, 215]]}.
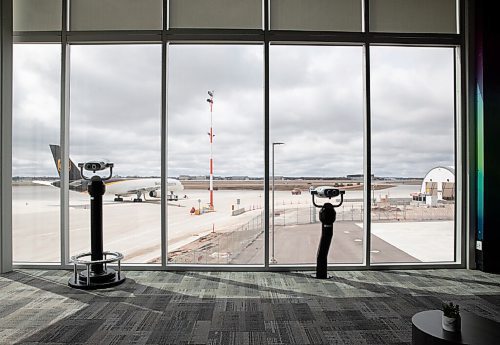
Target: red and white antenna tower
{"points": [[211, 135]]}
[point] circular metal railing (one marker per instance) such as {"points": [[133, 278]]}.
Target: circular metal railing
{"points": [[77, 260]]}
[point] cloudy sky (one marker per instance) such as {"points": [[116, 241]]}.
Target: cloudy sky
{"points": [[316, 109]]}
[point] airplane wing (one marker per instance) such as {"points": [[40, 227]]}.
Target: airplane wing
{"points": [[44, 183], [77, 186]]}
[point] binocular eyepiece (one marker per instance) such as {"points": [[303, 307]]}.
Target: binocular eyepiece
{"points": [[95, 165], [327, 192]]}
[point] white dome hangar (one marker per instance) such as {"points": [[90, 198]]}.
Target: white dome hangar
{"points": [[439, 182]]}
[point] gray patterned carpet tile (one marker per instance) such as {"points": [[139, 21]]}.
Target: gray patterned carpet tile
{"points": [[153, 308]]}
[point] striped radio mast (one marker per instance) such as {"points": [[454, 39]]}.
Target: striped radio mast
{"points": [[211, 135]]}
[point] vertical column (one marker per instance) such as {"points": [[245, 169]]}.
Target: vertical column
{"points": [[164, 141], [367, 203], [266, 133], [463, 162], [468, 110], [164, 153], [479, 114], [6, 136], [488, 103], [64, 136]]}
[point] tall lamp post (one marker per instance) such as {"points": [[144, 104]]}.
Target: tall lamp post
{"points": [[273, 259], [211, 135]]}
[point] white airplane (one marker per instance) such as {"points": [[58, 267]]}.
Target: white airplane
{"points": [[119, 187]]}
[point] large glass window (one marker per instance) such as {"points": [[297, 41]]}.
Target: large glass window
{"points": [[316, 107], [222, 224], [119, 82], [35, 178], [413, 154], [116, 114]]}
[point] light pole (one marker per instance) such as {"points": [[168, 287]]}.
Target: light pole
{"points": [[273, 260], [211, 135]]}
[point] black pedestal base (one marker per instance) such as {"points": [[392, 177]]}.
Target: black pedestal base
{"points": [[107, 279]]}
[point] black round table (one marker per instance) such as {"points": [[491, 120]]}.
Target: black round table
{"points": [[475, 330]]}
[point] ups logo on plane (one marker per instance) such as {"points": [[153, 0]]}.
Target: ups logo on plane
{"points": [[59, 165]]}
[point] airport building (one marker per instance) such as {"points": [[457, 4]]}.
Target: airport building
{"points": [[357, 176], [249, 171], [438, 184]]}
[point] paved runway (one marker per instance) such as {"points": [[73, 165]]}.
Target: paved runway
{"points": [[297, 244]]}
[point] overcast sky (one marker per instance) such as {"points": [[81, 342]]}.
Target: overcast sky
{"points": [[316, 109]]}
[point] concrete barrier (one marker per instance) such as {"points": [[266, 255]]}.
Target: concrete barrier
{"points": [[238, 211]]}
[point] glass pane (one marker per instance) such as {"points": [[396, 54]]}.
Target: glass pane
{"points": [[421, 16], [37, 15], [116, 15], [316, 139], [35, 178], [219, 14], [230, 229], [413, 196], [321, 15], [116, 114]]}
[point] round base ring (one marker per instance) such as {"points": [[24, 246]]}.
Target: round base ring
{"points": [[107, 279]]}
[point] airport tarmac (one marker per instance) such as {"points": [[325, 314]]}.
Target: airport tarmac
{"points": [[297, 245], [134, 228]]}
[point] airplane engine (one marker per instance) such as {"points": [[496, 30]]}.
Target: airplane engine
{"points": [[153, 194]]}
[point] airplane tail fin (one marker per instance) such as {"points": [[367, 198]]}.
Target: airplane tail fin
{"points": [[74, 172]]}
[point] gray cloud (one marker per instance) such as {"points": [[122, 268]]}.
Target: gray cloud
{"points": [[36, 109], [236, 75], [316, 108], [412, 110]]}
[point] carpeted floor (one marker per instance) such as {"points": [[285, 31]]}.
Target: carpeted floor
{"points": [[37, 307]]}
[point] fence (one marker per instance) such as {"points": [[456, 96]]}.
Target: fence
{"points": [[284, 216], [226, 247], [229, 247]]}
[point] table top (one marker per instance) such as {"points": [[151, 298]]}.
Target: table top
{"points": [[475, 329]]}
